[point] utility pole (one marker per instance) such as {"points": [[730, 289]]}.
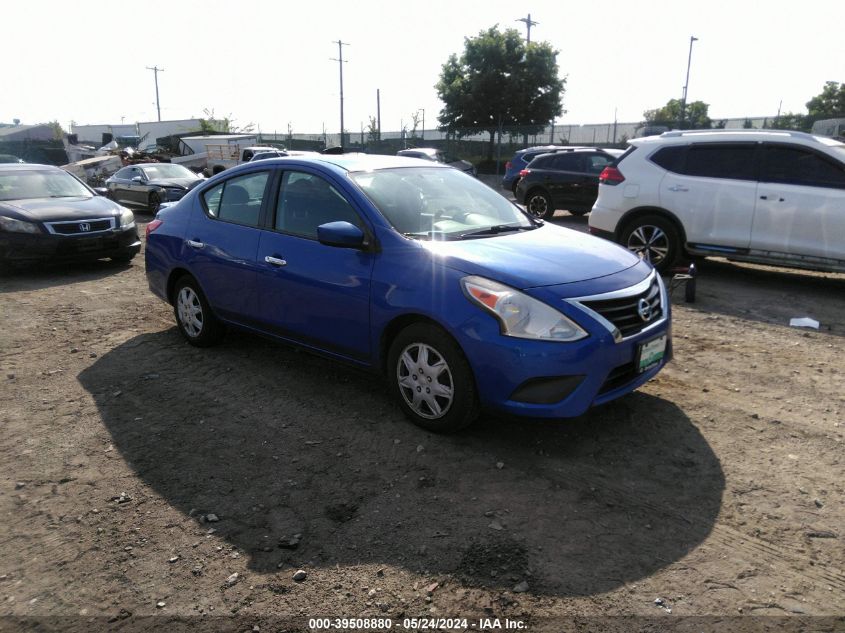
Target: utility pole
{"points": [[686, 85], [528, 23], [340, 63], [378, 111], [156, 70]]}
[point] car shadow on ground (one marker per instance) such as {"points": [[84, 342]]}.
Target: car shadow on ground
{"points": [[768, 295], [279, 443], [45, 275]]}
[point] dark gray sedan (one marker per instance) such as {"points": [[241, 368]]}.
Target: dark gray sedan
{"points": [[147, 185]]}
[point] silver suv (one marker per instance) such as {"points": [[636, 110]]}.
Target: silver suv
{"points": [[771, 197]]}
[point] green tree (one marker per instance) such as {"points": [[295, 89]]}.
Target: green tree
{"points": [[500, 81], [694, 118], [58, 131], [790, 121], [372, 130], [829, 103]]}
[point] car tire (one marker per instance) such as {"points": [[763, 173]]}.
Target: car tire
{"points": [[153, 201], [654, 238], [539, 204], [194, 317], [431, 379]]}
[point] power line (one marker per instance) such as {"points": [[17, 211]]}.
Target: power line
{"points": [[156, 70]]}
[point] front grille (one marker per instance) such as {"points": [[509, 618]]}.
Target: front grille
{"points": [[81, 227], [631, 314]]}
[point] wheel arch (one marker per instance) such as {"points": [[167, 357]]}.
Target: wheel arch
{"points": [[399, 323], [175, 275], [639, 212]]}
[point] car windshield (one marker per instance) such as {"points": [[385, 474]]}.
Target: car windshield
{"points": [[29, 184], [165, 170], [436, 203]]}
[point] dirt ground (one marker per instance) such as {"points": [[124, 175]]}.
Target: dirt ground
{"points": [[144, 482]]}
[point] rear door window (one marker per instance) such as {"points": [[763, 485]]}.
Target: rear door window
{"points": [[238, 199], [733, 161], [568, 162], [797, 166]]}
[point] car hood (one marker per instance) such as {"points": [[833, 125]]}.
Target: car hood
{"points": [[40, 209], [184, 183], [546, 256]]}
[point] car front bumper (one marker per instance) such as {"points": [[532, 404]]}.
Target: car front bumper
{"points": [[30, 247], [540, 379]]}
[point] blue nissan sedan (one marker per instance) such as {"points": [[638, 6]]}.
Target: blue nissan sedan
{"points": [[417, 271]]}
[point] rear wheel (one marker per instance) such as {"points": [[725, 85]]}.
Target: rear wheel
{"points": [[539, 204], [654, 238], [194, 317], [432, 379]]}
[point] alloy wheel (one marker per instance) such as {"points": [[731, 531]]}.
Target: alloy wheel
{"points": [[649, 242], [425, 381], [190, 311]]}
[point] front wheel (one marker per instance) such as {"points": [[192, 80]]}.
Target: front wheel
{"points": [[153, 201], [196, 322], [655, 239], [539, 204], [432, 380]]}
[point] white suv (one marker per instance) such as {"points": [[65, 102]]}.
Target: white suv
{"points": [[771, 197]]}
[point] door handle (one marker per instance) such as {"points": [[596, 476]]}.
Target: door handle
{"points": [[773, 199], [275, 261], [194, 244], [678, 188]]}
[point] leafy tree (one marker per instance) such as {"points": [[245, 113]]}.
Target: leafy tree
{"points": [[58, 131], [694, 118], [500, 81], [372, 130], [790, 121], [829, 103]]}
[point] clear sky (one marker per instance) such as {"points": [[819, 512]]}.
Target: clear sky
{"points": [[269, 62]]}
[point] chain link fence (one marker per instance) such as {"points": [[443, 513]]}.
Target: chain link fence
{"points": [[490, 155]]}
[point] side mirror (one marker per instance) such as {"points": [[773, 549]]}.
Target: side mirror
{"points": [[101, 191], [342, 234], [138, 179]]}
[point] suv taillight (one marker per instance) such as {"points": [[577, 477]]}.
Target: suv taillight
{"points": [[152, 226], [508, 165], [524, 173], [611, 176]]}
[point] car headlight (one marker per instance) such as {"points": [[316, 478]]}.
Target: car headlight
{"points": [[127, 218], [519, 315], [17, 226]]}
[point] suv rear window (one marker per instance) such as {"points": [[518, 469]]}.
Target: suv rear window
{"points": [[670, 158], [721, 160]]}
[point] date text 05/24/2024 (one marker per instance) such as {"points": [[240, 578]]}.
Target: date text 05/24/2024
{"points": [[414, 624]]}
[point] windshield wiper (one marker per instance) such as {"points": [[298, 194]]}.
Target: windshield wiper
{"points": [[432, 235], [496, 229]]}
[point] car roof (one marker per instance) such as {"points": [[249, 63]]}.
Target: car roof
{"points": [[681, 137], [422, 150], [28, 167], [354, 162]]}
